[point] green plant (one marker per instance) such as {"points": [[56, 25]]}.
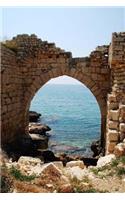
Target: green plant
{"points": [[95, 170], [114, 163], [120, 171], [122, 159], [19, 176]]}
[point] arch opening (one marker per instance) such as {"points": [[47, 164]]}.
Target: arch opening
{"points": [[73, 113]]}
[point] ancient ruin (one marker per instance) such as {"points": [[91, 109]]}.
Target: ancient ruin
{"points": [[27, 63]]}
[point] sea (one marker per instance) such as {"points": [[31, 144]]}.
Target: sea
{"points": [[72, 113]]}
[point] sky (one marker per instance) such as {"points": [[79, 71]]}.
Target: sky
{"points": [[79, 30]]}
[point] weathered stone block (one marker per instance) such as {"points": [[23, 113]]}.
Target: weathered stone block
{"points": [[114, 115], [113, 105], [111, 146], [75, 163], [112, 135], [113, 124]]}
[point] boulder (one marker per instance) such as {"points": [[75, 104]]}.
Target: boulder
{"points": [[31, 170], [75, 172], [78, 163], [89, 161], [34, 116], [39, 142], [37, 128], [49, 156], [102, 161], [51, 170], [30, 165], [26, 160]]}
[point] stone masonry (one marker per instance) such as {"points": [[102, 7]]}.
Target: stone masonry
{"points": [[27, 63]]}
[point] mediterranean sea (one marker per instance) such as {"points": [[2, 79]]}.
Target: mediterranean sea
{"points": [[73, 114]]}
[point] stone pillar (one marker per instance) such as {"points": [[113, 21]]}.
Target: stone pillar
{"points": [[116, 100]]}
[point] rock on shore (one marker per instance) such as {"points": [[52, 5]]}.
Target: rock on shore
{"points": [[34, 116], [38, 128]]}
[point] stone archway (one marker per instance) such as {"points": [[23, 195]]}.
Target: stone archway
{"points": [[89, 83], [28, 63]]}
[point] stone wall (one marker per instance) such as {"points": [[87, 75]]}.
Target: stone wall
{"points": [[116, 100], [11, 96], [28, 63]]}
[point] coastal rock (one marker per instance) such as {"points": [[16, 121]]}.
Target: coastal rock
{"points": [[96, 148], [105, 160], [65, 158], [40, 142], [75, 163], [37, 128], [49, 156], [34, 116], [89, 161]]}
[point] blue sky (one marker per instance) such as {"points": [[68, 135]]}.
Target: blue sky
{"points": [[78, 29]]}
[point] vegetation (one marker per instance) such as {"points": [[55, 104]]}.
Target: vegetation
{"points": [[13, 179], [19, 176], [117, 166]]}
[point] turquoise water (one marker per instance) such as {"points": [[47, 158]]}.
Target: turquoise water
{"points": [[73, 114]]}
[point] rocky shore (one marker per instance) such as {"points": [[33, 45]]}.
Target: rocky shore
{"points": [[29, 166], [39, 133], [30, 174], [35, 144]]}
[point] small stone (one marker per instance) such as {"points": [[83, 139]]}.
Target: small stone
{"points": [[49, 185], [75, 163]]}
